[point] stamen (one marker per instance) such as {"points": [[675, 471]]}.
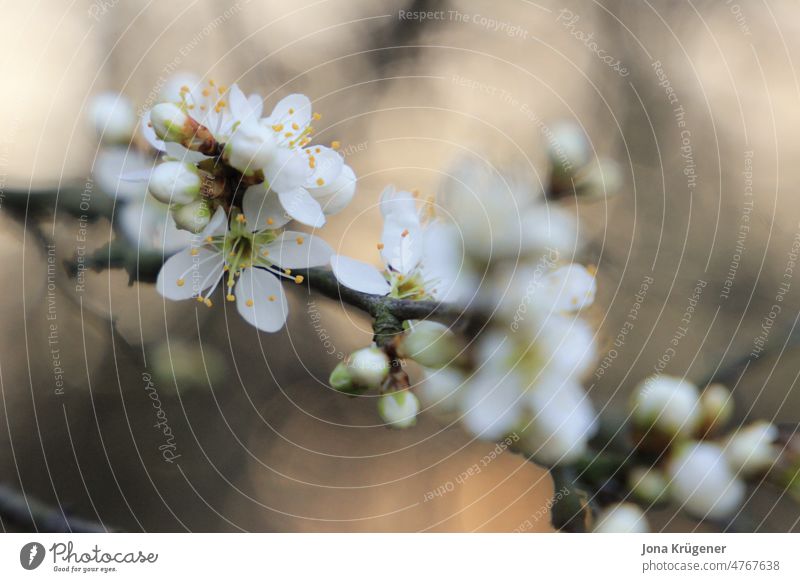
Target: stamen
{"points": [[230, 297], [271, 298], [316, 117], [336, 145], [404, 233], [249, 302], [320, 181], [380, 246], [298, 279], [299, 240], [180, 282]]}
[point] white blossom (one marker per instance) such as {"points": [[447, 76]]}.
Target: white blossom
{"points": [[113, 118], [621, 518], [668, 404], [751, 450], [399, 409]]}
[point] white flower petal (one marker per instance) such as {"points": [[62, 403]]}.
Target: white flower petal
{"points": [[359, 276], [299, 250], [186, 275], [123, 173], [328, 166], [260, 300], [442, 262], [263, 209], [335, 196], [402, 240], [399, 202], [294, 108], [301, 206], [181, 153], [288, 170], [150, 134], [218, 224], [240, 106]]}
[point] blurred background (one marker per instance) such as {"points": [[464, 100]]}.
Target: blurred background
{"points": [[698, 101]]}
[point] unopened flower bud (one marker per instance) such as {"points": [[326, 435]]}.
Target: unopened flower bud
{"points": [[251, 147], [193, 217], [171, 123], [113, 118], [751, 450], [399, 409], [667, 404], [428, 343], [648, 485], [621, 518], [716, 404], [368, 367], [341, 380], [701, 481], [602, 179], [568, 150], [175, 183]]}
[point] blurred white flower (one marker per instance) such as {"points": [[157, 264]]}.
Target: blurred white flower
{"points": [[113, 118], [668, 404], [648, 484], [701, 481], [118, 172], [148, 227], [428, 343], [368, 367], [439, 390], [399, 409], [621, 518], [751, 449], [716, 404]]}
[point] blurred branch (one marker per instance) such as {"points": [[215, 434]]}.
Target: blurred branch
{"points": [[32, 515]]}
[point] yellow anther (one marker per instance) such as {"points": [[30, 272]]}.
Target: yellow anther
{"points": [[249, 302], [380, 246], [230, 297], [270, 221], [206, 93], [199, 299], [291, 111], [278, 127], [202, 108], [287, 271], [209, 239], [195, 252], [180, 282], [184, 89], [222, 88], [190, 107], [298, 279], [317, 150], [240, 218], [401, 277], [211, 82], [316, 117], [265, 252], [320, 181], [271, 298], [288, 134], [592, 269], [299, 240], [295, 126], [207, 301], [404, 233], [336, 145]]}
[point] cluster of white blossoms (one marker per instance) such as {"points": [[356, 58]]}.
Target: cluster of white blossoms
{"points": [[223, 183], [702, 472]]}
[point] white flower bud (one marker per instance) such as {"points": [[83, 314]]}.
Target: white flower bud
{"points": [[716, 404], [341, 380], [701, 481], [251, 147], [113, 118], [668, 404], [399, 409], [439, 390], [368, 367], [175, 183], [568, 149], [647, 484], [193, 217], [428, 343], [170, 122], [750, 450], [621, 518], [602, 179]]}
